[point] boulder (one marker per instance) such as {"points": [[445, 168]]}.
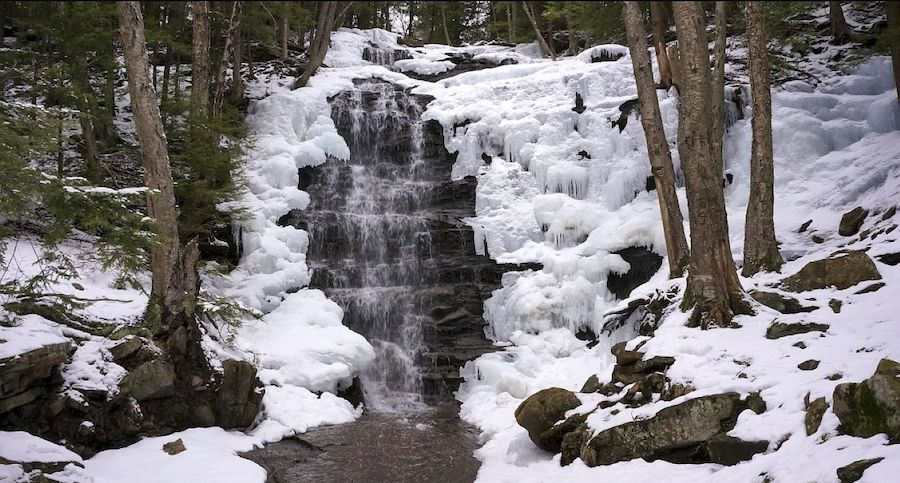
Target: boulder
{"points": [[781, 303], [238, 398], [854, 471], [814, 413], [872, 406], [780, 329], [852, 221], [541, 411], [174, 447], [690, 432], [809, 365], [891, 259], [151, 380], [842, 270], [20, 374]]}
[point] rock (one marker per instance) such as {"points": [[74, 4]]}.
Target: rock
{"points": [[804, 226], [124, 349], [174, 447], [872, 406], [780, 329], [841, 270], [809, 365], [640, 370], [572, 443], [150, 380], [854, 471], [799, 345], [870, 288], [625, 357], [690, 432], [644, 264], [675, 391], [852, 221], [814, 413], [835, 305], [891, 259], [238, 400], [889, 213], [21, 374], [542, 410], [817, 239], [591, 385], [781, 303], [553, 437]]}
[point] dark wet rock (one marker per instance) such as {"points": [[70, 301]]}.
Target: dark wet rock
{"points": [[603, 55], [487, 158], [385, 57], [579, 104], [353, 393], [552, 439], [891, 259], [150, 380], [627, 108], [835, 305], [889, 213], [727, 180], [650, 184], [841, 270], [872, 406], [809, 365], [625, 357], [814, 413], [239, 396], [642, 314], [584, 154], [23, 377], [690, 432], [592, 384], [644, 264], [541, 411], [854, 471], [463, 62], [870, 288], [804, 226], [174, 447], [799, 345], [817, 239], [780, 329], [779, 302], [572, 443], [852, 221]]}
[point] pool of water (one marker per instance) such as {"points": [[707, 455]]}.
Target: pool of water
{"points": [[431, 445]]}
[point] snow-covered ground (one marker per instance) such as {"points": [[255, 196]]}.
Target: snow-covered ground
{"points": [[564, 189]]}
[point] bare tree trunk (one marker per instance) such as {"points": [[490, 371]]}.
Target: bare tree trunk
{"points": [[171, 304], [659, 17], [760, 247], [83, 95], [546, 48], [713, 288], [573, 41], [674, 64], [200, 68], [234, 24], [444, 22], [319, 45], [285, 30], [428, 26], [839, 29], [509, 20], [717, 88], [167, 74], [237, 85], [657, 146], [893, 21]]}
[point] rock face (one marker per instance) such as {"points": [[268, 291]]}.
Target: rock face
{"points": [[690, 432], [644, 264], [238, 401], [852, 221], [780, 329], [388, 244], [854, 471], [781, 303], [21, 377], [872, 406], [841, 270], [151, 380], [541, 411], [814, 413]]}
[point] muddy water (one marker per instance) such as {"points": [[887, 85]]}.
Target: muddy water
{"points": [[433, 445]]}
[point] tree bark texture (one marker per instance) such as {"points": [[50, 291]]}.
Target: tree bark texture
{"points": [[284, 29], [168, 291], [659, 17], [657, 146], [546, 48], [717, 87], [713, 287], [320, 42], [86, 109], [200, 70], [840, 32], [234, 24], [237, 83], [760, 247]]}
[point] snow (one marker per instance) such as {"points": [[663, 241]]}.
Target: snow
{"points": [[28, 334], [19, 446], [424, 66]]}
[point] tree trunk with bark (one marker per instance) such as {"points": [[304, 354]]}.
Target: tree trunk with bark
{"points": [[657, 145], [320, 42], [717, 88], [760, 247], [713, 288], [237, 84], [659, 17], [174, 283], [84, 103], [284, 30], [893, 21], [840, 32], [546, 48], [444, 22], [234, 24], [200, 51]]}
